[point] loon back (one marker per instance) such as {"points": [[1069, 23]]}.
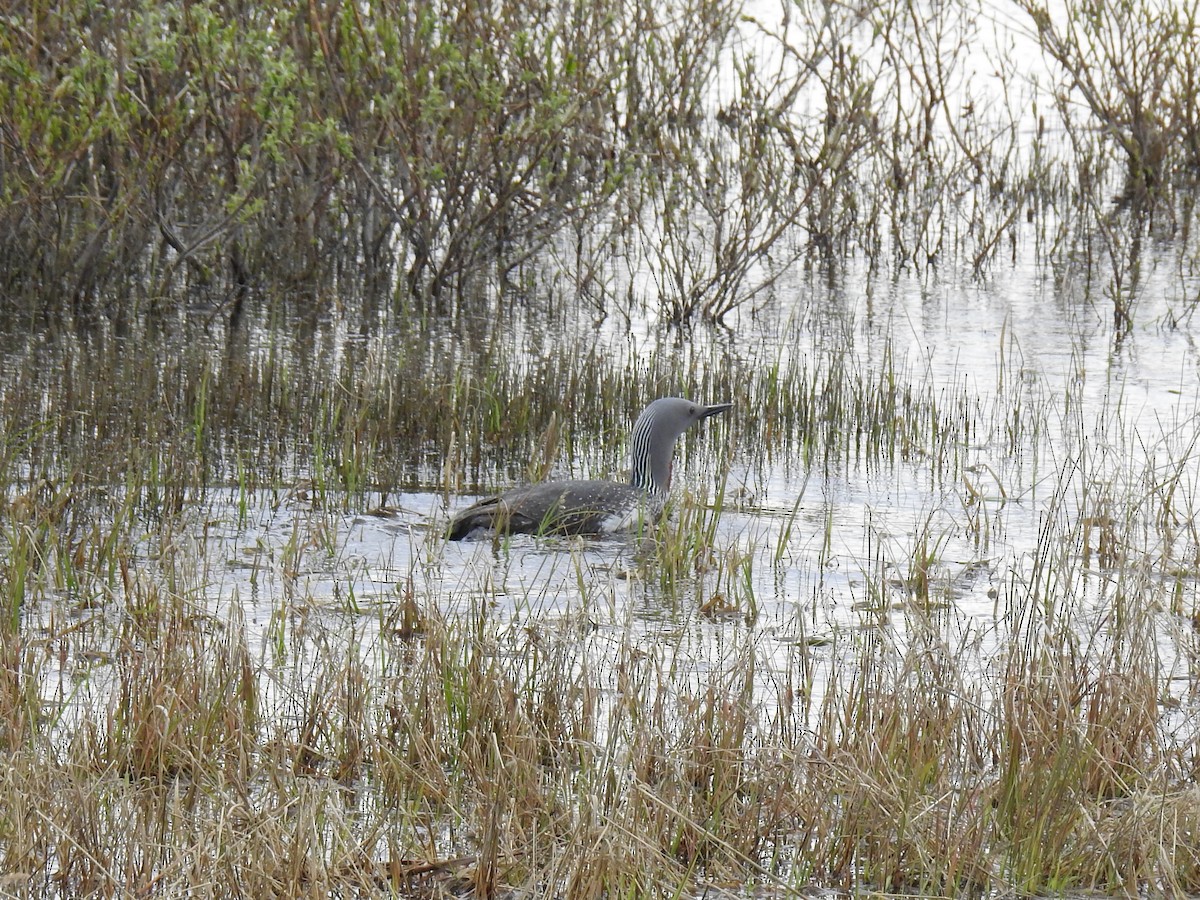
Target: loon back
{"points": [[560, 507]]}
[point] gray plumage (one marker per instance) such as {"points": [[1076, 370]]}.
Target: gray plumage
{"points": [[596, 507]]}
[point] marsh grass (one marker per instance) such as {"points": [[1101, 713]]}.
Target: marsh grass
{"points": [[474, 753], [426, 741], [479, 752]]}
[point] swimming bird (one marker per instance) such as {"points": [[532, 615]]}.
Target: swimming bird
{"points": [[593, 506]]}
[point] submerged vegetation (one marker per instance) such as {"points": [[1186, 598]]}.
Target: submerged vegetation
{"points": [[279, 283]]}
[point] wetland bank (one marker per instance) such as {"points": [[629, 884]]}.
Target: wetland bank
{"points": [[284, 290]]}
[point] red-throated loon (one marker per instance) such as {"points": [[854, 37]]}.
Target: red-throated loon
{"points": [[596, 507]]}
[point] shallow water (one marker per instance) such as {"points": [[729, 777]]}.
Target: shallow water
{"points": [[805, 557]]}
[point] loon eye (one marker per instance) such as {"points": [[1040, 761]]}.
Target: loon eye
{"points": [[692, 411]]}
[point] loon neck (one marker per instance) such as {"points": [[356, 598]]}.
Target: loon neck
{"points": [[643, 479], [651, 446]]}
